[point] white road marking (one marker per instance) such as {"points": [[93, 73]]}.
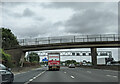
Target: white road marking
{"points": [[115, 76], [111, 70], [89, 71], [64, 72], [31, 80], [17, 73], [108, 75], [72, 77], [111, 76], [28, 71], [34, 77], [21, 73]]}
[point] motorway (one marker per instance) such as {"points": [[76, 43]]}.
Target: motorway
{"points": [[66, 75]]}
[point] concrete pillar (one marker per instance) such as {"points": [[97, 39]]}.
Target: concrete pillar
{"points": [[94, 56], [22, 59]]}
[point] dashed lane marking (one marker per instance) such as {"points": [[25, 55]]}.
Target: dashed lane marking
{"points": [[111, 76], [108, 75], [115, 76], [64, 72], [34, 77], [31, 80], [72, 77]]}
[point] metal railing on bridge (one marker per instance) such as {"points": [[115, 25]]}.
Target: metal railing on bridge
{"points": [[71, 38]]}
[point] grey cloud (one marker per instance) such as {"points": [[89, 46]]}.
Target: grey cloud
{"points": [[16, 15], [38, 18], [29, 31], [12, 4], [27, 12], [59, 23], [97, 18], [37, 30], [73, 5], [92, 22]]}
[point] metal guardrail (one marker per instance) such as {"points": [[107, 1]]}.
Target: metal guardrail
{"points": [[66, 39]]}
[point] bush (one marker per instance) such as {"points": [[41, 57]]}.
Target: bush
{"points": [[29, 64], [33, 57], [6, 59], [35, 62]]}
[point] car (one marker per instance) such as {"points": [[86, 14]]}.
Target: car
{"points": [[71, 66], [6, 75]]}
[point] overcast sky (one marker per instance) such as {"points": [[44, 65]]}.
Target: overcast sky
{"points": [[43, 19], [38, 19]]}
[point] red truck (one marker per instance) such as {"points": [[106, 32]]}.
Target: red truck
{"points": [[53, 61]]}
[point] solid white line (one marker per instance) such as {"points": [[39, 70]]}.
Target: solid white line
{"points": [[111, 70], [72, 77], [21, 73], [89, 71], [17, 73]]}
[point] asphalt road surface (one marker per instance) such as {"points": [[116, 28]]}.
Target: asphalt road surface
{"points": [[67, 75]]}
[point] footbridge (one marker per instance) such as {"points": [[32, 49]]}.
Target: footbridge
{"points": [[65, 42]]}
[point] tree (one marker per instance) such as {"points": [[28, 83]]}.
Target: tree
{"points": [[70, 61], [33, 57], [8, 39], [84, 61]]}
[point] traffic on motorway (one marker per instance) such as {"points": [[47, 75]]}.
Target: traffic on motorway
{"points": [[66, 74], [69, 73], [53, 71]]}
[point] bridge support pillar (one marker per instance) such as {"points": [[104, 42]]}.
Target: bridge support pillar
{"points": [[94, 56], [22, 59]]}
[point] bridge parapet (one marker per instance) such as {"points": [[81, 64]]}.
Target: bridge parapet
{"points": [[71, 38]]}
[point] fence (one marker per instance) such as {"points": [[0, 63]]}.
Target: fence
{"points": [[66, 39]]}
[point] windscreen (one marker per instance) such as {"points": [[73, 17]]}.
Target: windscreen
{"points": [[54, 57], [2, 67]]}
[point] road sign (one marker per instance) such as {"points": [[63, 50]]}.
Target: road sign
{"points": [[45, 59]]}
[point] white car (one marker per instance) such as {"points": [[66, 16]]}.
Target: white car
{"points": [[45, 65], [71, 66]]}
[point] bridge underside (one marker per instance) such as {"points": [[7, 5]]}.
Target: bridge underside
{"points": [[110, 44]]}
